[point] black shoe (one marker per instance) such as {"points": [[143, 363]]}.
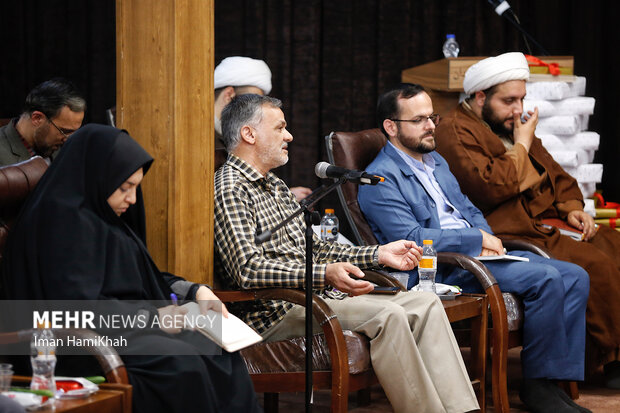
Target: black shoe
{"points": [[539, 396], [566, 398], [612, 375]]}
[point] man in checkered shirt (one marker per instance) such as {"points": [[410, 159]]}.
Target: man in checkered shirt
{"points": [[412, 348]]}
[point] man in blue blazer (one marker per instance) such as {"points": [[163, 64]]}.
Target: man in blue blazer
{"points": [[421, 199]]}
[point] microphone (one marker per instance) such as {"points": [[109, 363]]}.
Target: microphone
{"points": [[500, 6], [325, 170]]}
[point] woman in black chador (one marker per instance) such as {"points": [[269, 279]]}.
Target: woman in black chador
{"points": [[70, 243]]}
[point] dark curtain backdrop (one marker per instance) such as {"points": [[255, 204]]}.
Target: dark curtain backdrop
{"points": [[42, 39], [330, 59]]}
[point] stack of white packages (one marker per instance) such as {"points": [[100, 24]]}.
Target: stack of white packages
{"points": [[563, 120]]}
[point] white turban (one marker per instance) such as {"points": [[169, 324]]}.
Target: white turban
{"points": [[495, 70], [243, 71]]}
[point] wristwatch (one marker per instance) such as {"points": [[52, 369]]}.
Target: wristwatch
{"points": [[375, 258]]}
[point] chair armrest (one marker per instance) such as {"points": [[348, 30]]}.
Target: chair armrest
{"points": [[18, 180], [486, 280], [497, 306], [234, 296], [320, 311], [463, 261], [479, 270], [383, 279], [109, 360], [523, 245]]}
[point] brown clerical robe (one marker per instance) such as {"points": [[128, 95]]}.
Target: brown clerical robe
{"points": [[515, 191]]}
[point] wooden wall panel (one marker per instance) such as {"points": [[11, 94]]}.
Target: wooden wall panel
{"points": [[165, 101]]}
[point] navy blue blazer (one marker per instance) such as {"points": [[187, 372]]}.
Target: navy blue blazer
{"points": [[400, 207]]}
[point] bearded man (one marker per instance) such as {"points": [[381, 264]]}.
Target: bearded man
{"points": [[503, 168], [421, 199], [53, 111]]}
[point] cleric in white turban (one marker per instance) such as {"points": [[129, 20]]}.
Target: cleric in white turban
{"points": [[243, 71], [495, 70], [237, 75]]}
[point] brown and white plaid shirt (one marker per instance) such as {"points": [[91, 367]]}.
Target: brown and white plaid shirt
{"points": [[246, 204]]}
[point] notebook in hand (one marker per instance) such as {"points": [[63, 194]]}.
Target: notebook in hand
{"points": [[230, 333], [501, 257], [564, 227]]}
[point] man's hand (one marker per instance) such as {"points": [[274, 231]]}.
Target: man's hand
{"points": [[491, 245], [207, 300], [401, 255], [337, 275], [485, 252], [583, 222], [523, 132], [300, 192]]}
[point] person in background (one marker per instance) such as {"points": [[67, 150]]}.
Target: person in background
{"points": [[236, 76], [53, 111], [491, 147]]}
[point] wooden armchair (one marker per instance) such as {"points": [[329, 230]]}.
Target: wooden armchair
{"points": [[356, 150], [16, 183], [341, 358]]}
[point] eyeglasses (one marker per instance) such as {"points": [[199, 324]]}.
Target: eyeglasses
{"points": [[421, 120], [64, 132]]}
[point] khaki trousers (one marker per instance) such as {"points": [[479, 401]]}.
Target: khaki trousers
{"points": [[413, 351]]}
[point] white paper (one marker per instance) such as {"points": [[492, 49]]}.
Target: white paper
{"points": [[502, 257], [235, 334]]}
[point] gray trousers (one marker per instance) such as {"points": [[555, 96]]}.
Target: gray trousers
{"points": [[413, 350]]}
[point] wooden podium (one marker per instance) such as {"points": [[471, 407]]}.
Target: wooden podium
{"points": [[443, 79]]}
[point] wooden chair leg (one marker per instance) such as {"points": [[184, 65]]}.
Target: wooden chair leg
{"points": [[479, 352], [571, 388], [270, 401], [499, 381], [499, 344], [363, 397]]}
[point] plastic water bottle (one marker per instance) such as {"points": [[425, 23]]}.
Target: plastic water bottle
{"points": [[43, 359], [329, 226], [329, 233], [451, 47], [428, 267]]}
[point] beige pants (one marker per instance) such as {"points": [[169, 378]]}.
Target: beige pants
{"points": [[413, 351]]}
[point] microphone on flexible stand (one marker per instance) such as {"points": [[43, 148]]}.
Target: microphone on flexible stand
{"points": [[326, 170], [502, 8]]}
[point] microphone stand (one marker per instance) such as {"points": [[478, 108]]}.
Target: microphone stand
{"points": [[513, 19], [310, 217]]}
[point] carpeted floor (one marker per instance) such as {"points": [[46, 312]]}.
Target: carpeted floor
{"points": [[592, 395]]}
